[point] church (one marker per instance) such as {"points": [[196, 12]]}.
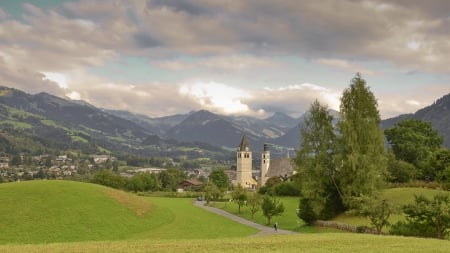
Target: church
{"points": [[282, 167]]}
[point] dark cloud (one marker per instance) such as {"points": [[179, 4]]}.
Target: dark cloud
{"points": [[146, 41]]}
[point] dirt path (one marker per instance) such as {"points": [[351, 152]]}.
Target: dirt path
{"points": [[263, 230]]}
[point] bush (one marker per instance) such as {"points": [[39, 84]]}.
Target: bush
{"points": [[306, 212], [427, 218], [286, 189]]}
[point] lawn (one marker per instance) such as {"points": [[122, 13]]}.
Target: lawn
{"points": [[64, 211], [64, 216], [288, 220], [305, 243]]}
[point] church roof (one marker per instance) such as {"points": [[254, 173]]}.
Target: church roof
{"points": [[244, 146], [282, 166]]}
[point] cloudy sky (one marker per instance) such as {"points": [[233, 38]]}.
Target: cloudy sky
{"points": [[257, 57]]}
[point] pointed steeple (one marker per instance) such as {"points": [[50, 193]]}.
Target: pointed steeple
{"points": [[244, 146]]}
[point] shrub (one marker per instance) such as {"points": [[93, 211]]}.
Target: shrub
{"points": [[306, 211]]}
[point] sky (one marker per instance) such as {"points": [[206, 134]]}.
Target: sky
{"points": [[239, 57]]}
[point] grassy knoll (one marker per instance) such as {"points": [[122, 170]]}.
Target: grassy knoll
{"points": [[305, 243], [64, 211]]}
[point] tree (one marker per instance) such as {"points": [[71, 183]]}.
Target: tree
{"points": [[271, 207], [219, 178], [170, 178], [426, 217], [239, 196], [212, 192], [316, 168], [108, 178], [414, 141], [254, 202], [306, 212], [377, 210], [441, 165], [361, 159], [400, 171]]}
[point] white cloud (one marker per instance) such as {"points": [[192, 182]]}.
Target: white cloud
{"points": [[58, 78], [217, 97]]}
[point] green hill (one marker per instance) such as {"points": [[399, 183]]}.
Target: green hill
{"points": [[65, 211]]}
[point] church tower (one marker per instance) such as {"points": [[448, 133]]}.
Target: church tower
{"points": [[244, 164], [265, 163]]}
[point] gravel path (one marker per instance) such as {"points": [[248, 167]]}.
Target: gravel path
{"points": [[263, 230]]}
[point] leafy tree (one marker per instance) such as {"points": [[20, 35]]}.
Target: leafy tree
{"points": [[239, 196], [316, 168], [271, 207], [219, 178], [378, 211], [170, 178], [414, 141], [426, 217], [108, 178], [254, 202], [400, 171], [441, 165], [212, 192], [361, 159]]}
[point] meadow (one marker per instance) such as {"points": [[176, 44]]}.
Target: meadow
{"points": [[289, 220], [64, 216], [64, 211]]}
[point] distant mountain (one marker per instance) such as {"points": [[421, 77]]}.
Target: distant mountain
{"points": [[227, 131], [36, 122], [282, 120], [208, 127], [438, 114], [47, 120], [158, 126]]}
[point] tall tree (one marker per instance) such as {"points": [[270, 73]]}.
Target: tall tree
{"points": [[362, 153], [414, 141], [316, 168]]}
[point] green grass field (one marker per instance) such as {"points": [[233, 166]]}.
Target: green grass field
{"points": [[305, 243], [65, 211], [65, 216]]}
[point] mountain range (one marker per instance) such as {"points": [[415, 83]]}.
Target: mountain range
{"points": [[46, 120]]}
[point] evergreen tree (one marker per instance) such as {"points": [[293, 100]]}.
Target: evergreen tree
{"points": [[361, 156], [317, 171]]}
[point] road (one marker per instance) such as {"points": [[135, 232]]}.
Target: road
{"points": [[263, 230]]}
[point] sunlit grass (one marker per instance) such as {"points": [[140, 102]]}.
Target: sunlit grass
{"points": [[305, 243], [65, 211]]}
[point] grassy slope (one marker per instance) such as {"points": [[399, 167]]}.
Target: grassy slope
{"points": [[64, 211]]}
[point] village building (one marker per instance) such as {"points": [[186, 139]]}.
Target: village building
{"points": [[282, 167]]}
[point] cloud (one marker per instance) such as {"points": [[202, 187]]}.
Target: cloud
{"points": [[223, 63], [346, 65], [217, 97], [294, 99], [234, 40]]}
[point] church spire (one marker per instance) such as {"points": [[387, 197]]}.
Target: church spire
{"points": [[244, 146]]}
